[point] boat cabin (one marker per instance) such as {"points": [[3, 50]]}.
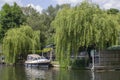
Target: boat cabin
{"points": [[34, 57], [36, 60]]}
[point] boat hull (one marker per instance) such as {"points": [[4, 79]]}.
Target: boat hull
{"points": [[37, 64]]}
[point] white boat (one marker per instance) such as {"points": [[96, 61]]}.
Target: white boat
{"points": [[36, 60]]}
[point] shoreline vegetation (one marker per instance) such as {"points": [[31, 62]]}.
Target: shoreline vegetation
{"points": [[72, 29], [57, 66]]}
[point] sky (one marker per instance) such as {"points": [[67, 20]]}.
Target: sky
{"points": [[39, 5]]}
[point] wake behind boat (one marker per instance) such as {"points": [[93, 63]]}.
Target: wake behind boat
{"points": [[36, 60]]}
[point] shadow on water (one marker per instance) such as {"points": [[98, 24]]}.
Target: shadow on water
{"points": [[27, 73]]}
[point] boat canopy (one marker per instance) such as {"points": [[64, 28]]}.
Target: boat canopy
{"points": [[34, 57]]}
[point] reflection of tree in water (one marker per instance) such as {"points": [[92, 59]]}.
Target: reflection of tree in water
{"points": [[35, 73], [23, 73], [93, 75], [12, 73], [73, 75], [107, 75]]}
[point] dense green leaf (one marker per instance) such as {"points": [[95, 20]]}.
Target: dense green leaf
{"points": [[20, 40]]}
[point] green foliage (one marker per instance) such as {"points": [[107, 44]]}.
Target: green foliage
{"points": [[112, 11], [10, 17], [42, 21], [83, 25], [20, 40], [37, 21], [79, 64], [0, 34], [32, 17], [114, 47]]}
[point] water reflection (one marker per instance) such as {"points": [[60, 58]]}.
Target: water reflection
{"points": [[23, 73], [93, 75], [12, 73], [109, 75], [35, 73], [106, 75], [73, 75]]}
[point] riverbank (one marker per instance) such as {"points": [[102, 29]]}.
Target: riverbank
{"points": [[55, 64]]}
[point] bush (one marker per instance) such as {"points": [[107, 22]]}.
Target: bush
{"points": [[79, 63]]}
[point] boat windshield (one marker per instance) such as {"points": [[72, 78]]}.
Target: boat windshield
{"points": [[35, 58], [29, 58], [39, 58], [42, 57]]}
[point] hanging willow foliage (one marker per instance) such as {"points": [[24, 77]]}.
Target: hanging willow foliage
{"points": [[20, 40], [83, 25]]}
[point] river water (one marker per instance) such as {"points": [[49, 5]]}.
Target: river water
{"points": [[27, 73]]}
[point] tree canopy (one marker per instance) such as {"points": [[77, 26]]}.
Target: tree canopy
{"points": [[112, 11], [10, 17], [70, 27], [42, 21], [20, 40], [83, 25]]}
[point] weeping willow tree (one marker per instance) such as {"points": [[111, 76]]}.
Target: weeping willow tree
{"points": [[20, 40], [83, 25]]}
